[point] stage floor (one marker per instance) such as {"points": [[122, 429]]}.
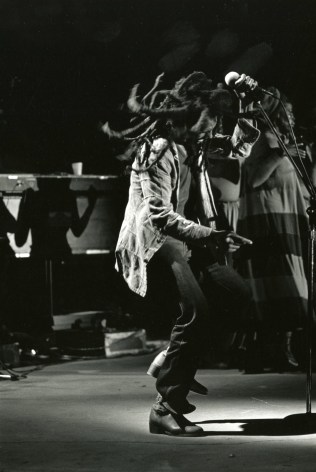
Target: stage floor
{"points": [[92, 415]]}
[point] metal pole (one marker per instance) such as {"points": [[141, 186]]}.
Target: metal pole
{"points": [[309, 325]]}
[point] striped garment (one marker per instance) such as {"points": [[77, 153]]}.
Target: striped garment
{"points": [[273, 215]]}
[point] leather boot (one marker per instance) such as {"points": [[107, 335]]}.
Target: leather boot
{"points": [[162, 421], [178, 408]]}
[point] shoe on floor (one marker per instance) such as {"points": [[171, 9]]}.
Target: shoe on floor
{"points": [[162, 421]]}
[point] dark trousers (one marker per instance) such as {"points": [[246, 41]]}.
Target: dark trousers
{"points": [[190, 335], [229, 297]]}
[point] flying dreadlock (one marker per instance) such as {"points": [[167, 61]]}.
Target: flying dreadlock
{"points": [[191, 100]]}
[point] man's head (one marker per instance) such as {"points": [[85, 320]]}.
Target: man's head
{"points": [[191, 106]]}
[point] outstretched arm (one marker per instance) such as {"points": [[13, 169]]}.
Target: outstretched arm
{"points": [[157, 191]]}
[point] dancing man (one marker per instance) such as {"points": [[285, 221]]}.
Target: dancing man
{"points": [[168, 181]]}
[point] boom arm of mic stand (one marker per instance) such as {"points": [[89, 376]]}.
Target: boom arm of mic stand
{"points": [[311, 211]]}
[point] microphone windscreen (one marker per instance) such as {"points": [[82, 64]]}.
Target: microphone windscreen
{"points": [[231, 78]]}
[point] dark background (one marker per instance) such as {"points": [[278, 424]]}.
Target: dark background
{"points": [[67, 65]]}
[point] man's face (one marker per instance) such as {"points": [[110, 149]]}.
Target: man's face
{"points": [[205, 124], [180, 132]]}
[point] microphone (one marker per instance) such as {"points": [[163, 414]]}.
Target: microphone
{"points": [[232, 77]]}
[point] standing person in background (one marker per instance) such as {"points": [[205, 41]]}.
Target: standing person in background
{"points": [[156, 234], [224, 163], [224, 170], [273, 214]]}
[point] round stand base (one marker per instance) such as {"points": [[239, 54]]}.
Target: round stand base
{"points": [[304, 423]]}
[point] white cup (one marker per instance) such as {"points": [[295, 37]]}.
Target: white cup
{"points": [[77, 168]]}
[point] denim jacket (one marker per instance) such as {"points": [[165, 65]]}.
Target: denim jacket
{"points": [[151, 212]]}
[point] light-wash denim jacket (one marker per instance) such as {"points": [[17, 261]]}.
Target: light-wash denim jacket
{"points": [[151, 212]]}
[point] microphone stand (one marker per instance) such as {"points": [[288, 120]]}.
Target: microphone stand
{"points": [[306, 421]]}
